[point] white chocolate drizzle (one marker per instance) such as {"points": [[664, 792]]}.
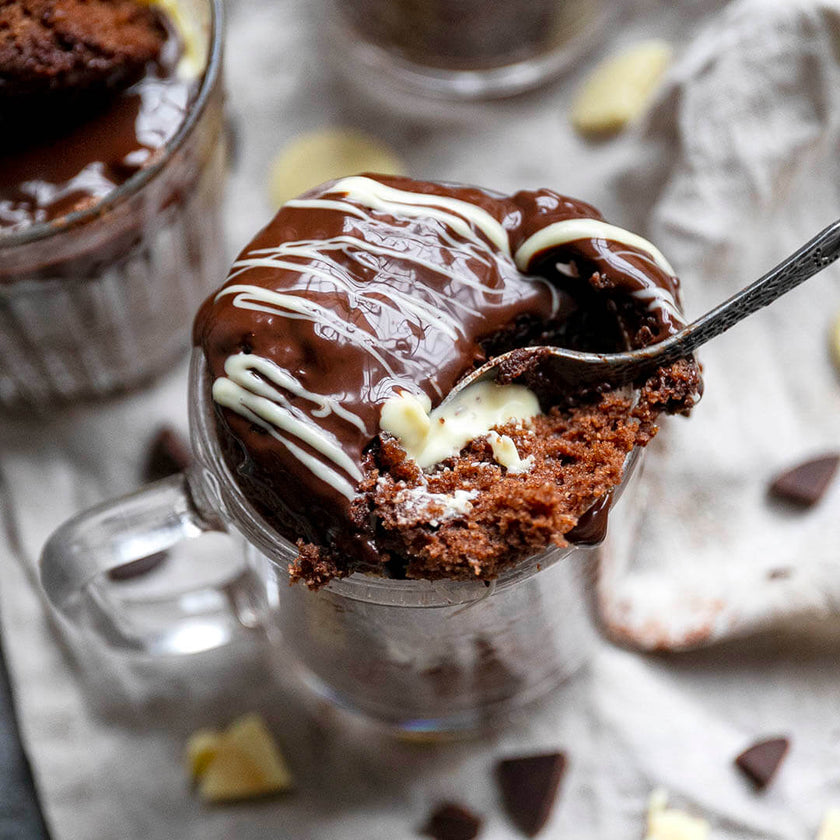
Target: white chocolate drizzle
{"points": [[573, 230], [257, 400], [297, 307], [460, 216], [319, 252], [656, 298]]}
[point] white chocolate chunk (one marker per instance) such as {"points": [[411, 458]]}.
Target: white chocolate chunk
{"points": [[830, 827], [243, 764], [320, 156], [471, 414], [658, 801], [507, 455], [664, 823], [620, 88], [201, 749]]}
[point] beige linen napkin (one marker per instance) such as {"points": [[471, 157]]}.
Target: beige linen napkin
{"points": [[742, 167]]}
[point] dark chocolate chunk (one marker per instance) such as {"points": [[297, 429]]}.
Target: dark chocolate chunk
{"points": [[137, 568], [805, 484], [529, 787], [451, 821], [169, 453], [760, 762]]}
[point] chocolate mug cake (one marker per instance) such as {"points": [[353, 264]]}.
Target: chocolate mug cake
{"points": [[111, 167], [355, 311]]}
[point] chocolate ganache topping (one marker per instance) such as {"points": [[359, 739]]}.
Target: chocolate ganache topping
{"points": [[373, 287]]}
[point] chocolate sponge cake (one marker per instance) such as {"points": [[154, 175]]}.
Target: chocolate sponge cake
{"points": [[349, 318], [61, 51]]}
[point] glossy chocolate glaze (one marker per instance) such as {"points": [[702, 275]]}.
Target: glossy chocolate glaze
{"points": [[359, 298], [45, 177]]}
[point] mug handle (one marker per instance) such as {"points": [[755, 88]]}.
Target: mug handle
{"points": [[77, 558]]}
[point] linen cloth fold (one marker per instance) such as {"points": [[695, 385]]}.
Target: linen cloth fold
{"points": [[736, 164], [750, 122]]}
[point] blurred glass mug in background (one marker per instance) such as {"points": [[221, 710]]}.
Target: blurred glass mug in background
{"points": [[466, 49], [103, 298], [413, 655]]}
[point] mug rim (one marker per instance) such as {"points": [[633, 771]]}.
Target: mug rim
{"points": [[136, 183], [223, 494]]}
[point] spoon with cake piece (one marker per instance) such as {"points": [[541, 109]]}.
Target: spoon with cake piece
{"points": [[577, 369]]}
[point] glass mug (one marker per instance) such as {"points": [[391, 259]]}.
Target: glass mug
{"points": [[101, 299], [466, 49], [414, 655]]}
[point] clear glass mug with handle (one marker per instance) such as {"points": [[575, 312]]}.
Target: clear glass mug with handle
{"points": [[413, 655]]}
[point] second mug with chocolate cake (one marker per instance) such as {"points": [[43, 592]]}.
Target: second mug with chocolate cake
{"points": [[111, 169], [446, 544]]}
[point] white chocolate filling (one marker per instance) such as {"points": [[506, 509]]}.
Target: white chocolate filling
{"points": [[419, 503], [430, 437], [506, 453]]}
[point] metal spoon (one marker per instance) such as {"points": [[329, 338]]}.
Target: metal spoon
{"points": [[576, 368]]}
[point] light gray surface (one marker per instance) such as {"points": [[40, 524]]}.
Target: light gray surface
{"points": [[717, 163]]}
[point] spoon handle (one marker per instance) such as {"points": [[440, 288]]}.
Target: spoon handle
{"points": [[807, 261]]}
